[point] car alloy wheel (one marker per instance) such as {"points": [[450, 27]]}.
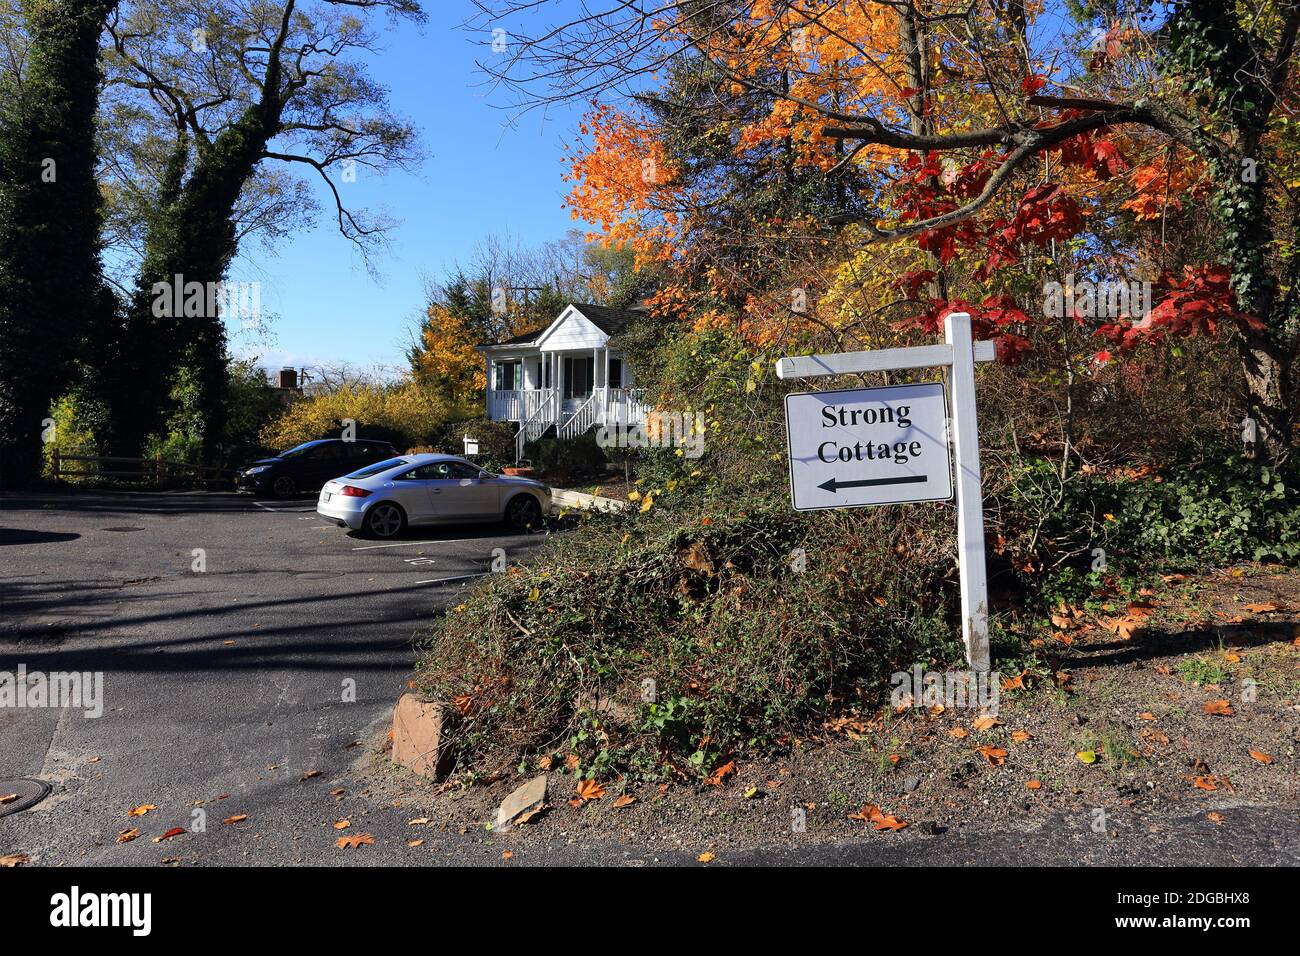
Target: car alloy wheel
{"points": [[523, 511], [384, 520], [284, 486]]}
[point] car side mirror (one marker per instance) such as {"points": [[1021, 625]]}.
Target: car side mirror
{"points": [[484, 475]]}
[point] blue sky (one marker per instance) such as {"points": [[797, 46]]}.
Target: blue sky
{"points": [[479, 177]]}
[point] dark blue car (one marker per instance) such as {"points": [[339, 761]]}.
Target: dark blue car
{"points": [[303, 469]]}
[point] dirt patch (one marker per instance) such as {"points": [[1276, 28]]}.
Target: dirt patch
{"points": [[1192, 706]]}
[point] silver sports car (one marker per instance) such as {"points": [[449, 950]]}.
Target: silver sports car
{"points": [[380, 500]]}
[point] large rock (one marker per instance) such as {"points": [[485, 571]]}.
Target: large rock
{"points": [[417, 736], [528, 797]]}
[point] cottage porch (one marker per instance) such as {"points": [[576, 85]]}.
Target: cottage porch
{"points": [[569, 377]]}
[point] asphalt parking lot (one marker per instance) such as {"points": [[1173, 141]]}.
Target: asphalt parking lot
{"points": [[244, 643]]}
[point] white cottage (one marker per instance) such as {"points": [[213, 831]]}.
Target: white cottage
{"points": [[569, 376]]}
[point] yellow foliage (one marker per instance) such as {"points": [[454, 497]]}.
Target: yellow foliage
{"points": [[409, 409]]}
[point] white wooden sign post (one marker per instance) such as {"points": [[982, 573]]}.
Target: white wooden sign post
{"points": [[864, 447]]}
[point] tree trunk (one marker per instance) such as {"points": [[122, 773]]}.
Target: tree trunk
{"points": [[1267, 370], [51, 289]]}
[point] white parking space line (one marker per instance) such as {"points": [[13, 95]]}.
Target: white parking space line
{"points": [[403, 544], [412, 544], [282, 511], [459, 577]]}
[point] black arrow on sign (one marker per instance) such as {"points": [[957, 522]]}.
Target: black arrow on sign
{"points": [[834, 484]]}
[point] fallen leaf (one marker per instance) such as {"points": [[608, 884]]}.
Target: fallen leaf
{"points": [[1261, 756], [626, 800], [8, 798], [126, 836], [308, 775], [1266, 608], [337, 793], [342, 824], [1033, 784], [417, 822], [958, 732], [1146, 715], [721, 774], [173, 832], [1087, 756], [985, 722], [354, 840], [706, 858], [1205, 783], [996, 756], [507, 854], [415, 843], [1216, 817], [1219, 708], [872, 814], [237, 818], [590, 790], [14, 859], [530, 815], [140, 810], [1020, 736], [1017, 682]]}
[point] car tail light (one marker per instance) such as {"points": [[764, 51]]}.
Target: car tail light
{"points": [[352, 491]]}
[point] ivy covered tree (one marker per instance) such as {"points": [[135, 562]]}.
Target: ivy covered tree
{"points": [[238, 88], [51, 289]]}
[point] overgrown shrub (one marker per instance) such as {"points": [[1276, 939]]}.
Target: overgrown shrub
{"points": [[748, 626], [1188, 515], [496, 440], [569, 458]]}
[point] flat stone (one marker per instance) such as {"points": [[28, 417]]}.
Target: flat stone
{"points": [[528, 797], [417, 736], [911, 783]]}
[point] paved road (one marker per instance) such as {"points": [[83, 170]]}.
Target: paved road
{"points": [[293, 642], [234, 681]]}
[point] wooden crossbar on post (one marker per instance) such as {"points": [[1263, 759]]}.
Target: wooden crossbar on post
{"points": [[959, 353]]}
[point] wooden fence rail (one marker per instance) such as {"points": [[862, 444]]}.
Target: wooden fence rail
{"points": [[146, 469]]}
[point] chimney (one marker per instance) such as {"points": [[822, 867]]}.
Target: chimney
{"points": [[287, 379]]}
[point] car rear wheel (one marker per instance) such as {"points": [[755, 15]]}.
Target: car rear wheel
{"points": [[523, 511], [284, 486], [385, 520]]}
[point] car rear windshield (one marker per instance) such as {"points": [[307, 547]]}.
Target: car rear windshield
{"points": [[297, 450], [376, 468]]}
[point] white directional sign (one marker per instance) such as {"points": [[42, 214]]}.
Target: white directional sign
{"points": [[848, 449], [868, 446]]}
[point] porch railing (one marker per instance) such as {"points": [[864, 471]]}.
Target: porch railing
{"points": [[517, 405], [546, 414], [613, 406], [583, 418]]}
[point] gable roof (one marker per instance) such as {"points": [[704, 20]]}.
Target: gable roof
{"points": [[610, 321]]}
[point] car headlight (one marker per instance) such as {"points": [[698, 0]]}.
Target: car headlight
{"points": [[257, 469]]}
